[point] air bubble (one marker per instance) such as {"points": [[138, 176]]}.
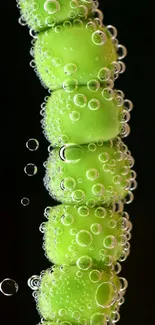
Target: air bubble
{"points": [[9, 287], [96, 228], [34, 282], [100, 212], [95, 276], [98, 189], [68, 184], [94, 104], [84, 238], [70, 68], [109, 242], [104, 74], [121, 51], [30, 169], [98, 319], [25, 201], [112, 30], [108, 93], [67, 219], [70, 85], [93, 85], [92, 174], [104, 157], [51, 6], [80, 100], [83, 211], [99, 38], [32, 144], [78, 195], [106, 295], [84, 263]]}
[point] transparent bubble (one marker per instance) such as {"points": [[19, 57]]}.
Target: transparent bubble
{"points": [[25, 201], [92, 174], [70, 69], [104, 157], [83, 211], [84, 263], [104, 74], [121, 51], [84, 238], [108, 93], [99, 37], [34, 282], [93, 85], [112, 30], [106, 294], [51, 6], [80, 100], [70, 85], [98, 319], [30, 169], [95, 276], [78, 195], [109, 242], [67, 219], [9, 287], [96, 228], [98, 189], [92, 146], [94, 104], [90, 203], [68, 183], [74, 116], [32, 144], [100, 212]]}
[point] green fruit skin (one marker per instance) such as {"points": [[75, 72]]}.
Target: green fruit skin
{"points": [[40, 19], [59, 46], [63, 241], [61, 294], [81, 124], [88, 177]]}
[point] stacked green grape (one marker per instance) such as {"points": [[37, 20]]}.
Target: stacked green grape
{"points": [[88, 169]]}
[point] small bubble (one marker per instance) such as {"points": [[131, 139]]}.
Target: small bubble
{"points": [[83, 211], [100, 212], [84, 263], [95, 276], [80, 100], [109, 242], [104, 157], [67, 219], [94, 104], [70, 69], [25, 201], [84, 238], [96, 228], [8, 287], [104, 74], [98, 189], [99, 37], [51, 6], [30, 169], [34, 282], [92, 174], [108, 93], [106, 295], [93, 85], [78, 195], [92, 146], [32, 144], [74, 116], [70, 85]]}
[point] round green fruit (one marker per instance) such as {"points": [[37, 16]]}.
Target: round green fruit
{"points": [[74, 55], [93, 174], [91, 113], [42, 14], [72, 296], [73, 232]]}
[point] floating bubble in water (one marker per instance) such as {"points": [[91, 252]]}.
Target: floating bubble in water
{"points": [[99, 38], [9, 287], [34, 282], [32, 144], [30, 169], [25, 201]]}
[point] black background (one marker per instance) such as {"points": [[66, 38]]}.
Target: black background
{"points": [[21, 253]]}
